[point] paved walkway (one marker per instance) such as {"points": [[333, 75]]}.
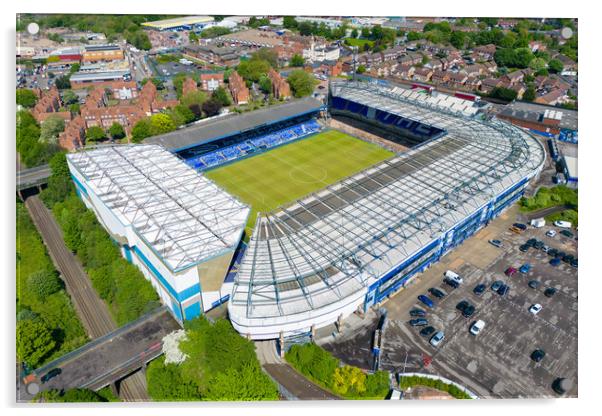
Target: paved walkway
{"points": [[91, 309]]}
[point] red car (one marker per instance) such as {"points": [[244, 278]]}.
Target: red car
{"points": [[510, 271]]}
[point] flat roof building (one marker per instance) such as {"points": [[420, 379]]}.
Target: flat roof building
{"points": [[177, 226], [179, 23]]}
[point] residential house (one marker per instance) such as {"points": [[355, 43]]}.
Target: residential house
{"points": [[238, 88], [423, 74], [440, 77], [280, 87], [211, 82]]}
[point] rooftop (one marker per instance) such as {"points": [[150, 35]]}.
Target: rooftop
{"points": [[94, 76], [178, 21], [225, 126], [181, 215]]}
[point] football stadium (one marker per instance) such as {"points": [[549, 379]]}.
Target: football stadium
{"points": [[296, 221]]}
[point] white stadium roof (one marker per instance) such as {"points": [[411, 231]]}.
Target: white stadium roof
{"points": [[321, 251], [184, 217]]}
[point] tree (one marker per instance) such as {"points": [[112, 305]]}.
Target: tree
{"points": [[522, 57], [529, 94], [194, 97], [289, 22], [354, 33], [69, 97], [63, 83], [211, 107], [365, 33], [192, 37], [26, 98], [503, 93], [44, 283], [349, 380], [74, 68], [266, 54], [116, 131], [302, 83], [221, 95], [141, 130], [555, 66], [69, 396], [186, 113], [458, 39], [51, 128], [95, 133], [297, 60], [361, 69], [537, 64], [34, 342], [265, 84], [253, 69], [165, 383], [249, 383], [304, 28], [161, 123]]}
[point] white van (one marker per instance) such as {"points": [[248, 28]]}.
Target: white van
{"points": [[562, 224], [453, 276], [538, 222], [477, 327]]}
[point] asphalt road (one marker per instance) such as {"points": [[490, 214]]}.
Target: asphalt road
{"points": [[92, 310]]}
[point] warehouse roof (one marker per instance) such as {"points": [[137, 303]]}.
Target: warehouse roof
{"points": [[177, 22], [182, 216], [83, 76], [225, 126]]}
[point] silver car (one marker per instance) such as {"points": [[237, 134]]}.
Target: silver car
{"points": [[437, 338]]}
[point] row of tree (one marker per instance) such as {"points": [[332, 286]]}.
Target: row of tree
{"points": [[37, 144], [121, 284], [220, 365], [47, 325], [345, 380]]}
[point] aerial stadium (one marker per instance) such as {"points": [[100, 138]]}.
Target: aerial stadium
{"points": [[179, 203]]}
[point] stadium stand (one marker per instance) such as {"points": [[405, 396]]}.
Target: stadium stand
{"points": [[253, 145]]}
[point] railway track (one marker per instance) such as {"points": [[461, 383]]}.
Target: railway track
{"points": [[92, 310]]}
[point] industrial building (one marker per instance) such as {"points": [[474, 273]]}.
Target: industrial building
{"points": [[180, 23], [178, 227], [356, 242]]}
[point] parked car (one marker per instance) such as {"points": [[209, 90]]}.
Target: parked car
{"points": [[496, 243], [531, 242], [534, 284], [462, 305], [476, 327], [452, 283], [538, 355], [568, 258], [437, 338], [510, 271], [555, 261], [549, 292], [479, 289], [538, 245], [562, 224], [574, 263], [503, 290], [524, 248], [567, 233], [426, 331], [468, 311], [552, 252], [426, 300], [453, 276], [51, 374], [545, 249], [534, 309], [560, 254], [418, 322], [496, 285], [418, 313], [525, 268], [436, 292], [551, 233], [520, 226]]}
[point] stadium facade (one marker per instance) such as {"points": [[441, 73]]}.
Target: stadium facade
{"points": [[354, 243], [178, 227], [310, 263]]}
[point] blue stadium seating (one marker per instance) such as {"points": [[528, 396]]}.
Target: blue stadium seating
{"points": [[262, 142]]}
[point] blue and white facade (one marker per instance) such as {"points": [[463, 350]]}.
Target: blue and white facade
{"points": [[178, 227], [354, 243]]}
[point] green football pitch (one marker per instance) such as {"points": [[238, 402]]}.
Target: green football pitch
{"points": [[292, 171]]}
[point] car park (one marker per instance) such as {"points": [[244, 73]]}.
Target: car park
{"points": [[496, 243], [436, 292], [549, 292], [426, 300], [419, 313], [437, 338], [51, 374], [525, 268], [538, 355], [418, 322], [476, 327], [535, 308], [510, 271], [426, 331], [479, 289], [555, 262], [496, 285], [551, 233], [534, 284]]}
